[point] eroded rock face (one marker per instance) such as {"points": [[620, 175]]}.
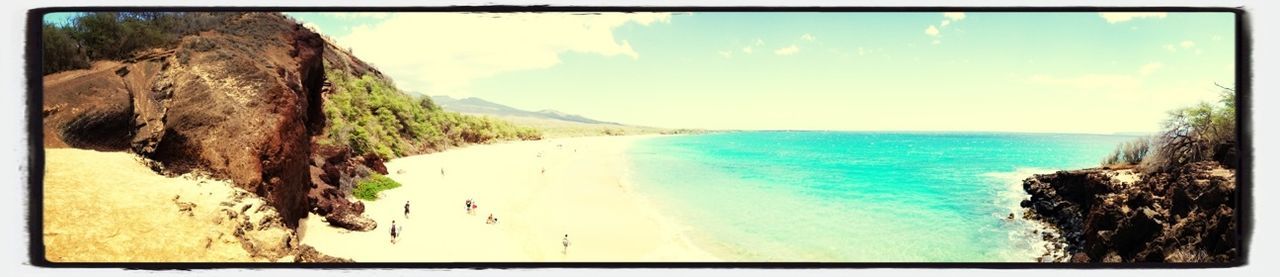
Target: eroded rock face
{"points": [[333, 174], [1186, 215], [239, 102]]}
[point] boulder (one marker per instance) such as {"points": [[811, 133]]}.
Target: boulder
{"points": [[351, 220]]}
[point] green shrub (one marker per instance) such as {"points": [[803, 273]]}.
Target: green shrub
{"points": [[1131, 152], [116, 36], [372, 116], [60, 50], [368, 189]]}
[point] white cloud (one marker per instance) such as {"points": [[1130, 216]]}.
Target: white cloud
{"points": [[442, 53], [787, 51], [1171, 48], [945, 23], [1149, 68], [759, 42], [746, 50], [726, 54], [931, 31], [954, 16], [1187, 44], [1117, 17], [937, 41], [807, 37]]}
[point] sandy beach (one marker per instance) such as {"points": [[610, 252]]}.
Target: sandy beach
{"points": [[582, 193], [109, 207]]}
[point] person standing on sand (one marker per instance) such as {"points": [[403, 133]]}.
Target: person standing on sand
{"points": [[393, 232], [406, 209], [565, 242]]}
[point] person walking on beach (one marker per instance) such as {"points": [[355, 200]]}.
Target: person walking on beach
{"points": [[393, 232], [406, 209], [565, 242]]}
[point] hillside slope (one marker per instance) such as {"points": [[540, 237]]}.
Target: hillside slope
{"points": [[237, 101], [472, 105], [263, 102], [549, 123]]}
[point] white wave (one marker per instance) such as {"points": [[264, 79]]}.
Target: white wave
{"points": [[1027, 236]]}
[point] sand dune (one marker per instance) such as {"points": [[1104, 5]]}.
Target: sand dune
{"points": [[582, 193]]}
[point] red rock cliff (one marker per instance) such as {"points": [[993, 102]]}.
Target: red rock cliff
{"points": [[238, 102]]}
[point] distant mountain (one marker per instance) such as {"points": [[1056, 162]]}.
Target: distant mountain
{"points": [[472, 105]]}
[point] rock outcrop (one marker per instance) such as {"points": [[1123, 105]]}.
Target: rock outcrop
{"points": [[238, 102], [334, 172], [1109, 215]]}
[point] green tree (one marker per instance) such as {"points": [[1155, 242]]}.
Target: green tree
{"points": [[1195, 133], [60, 50]]}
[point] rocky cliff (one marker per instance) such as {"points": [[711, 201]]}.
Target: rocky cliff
{"points": [[241, 102], [1117, 215]]}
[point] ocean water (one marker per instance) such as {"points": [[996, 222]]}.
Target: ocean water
{"points": [[856, 196]]}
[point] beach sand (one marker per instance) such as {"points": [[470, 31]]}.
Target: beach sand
{"points": [[109, 207], [583, 193]]}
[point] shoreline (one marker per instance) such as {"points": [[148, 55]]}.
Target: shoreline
{"points": [[525, 185]]}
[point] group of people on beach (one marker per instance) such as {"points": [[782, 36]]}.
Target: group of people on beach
{"points": [[471, 207], [396, 231], [471, 210]]}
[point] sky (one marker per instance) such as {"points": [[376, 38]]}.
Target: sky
{"points": [[1078, 72]]}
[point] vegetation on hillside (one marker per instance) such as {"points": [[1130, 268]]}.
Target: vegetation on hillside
{"points": [[116, 35], [369, 188], [366, 113], [372, 116], [1206, 131]]}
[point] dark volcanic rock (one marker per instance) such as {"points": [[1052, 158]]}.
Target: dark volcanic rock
{"points": [[236, 102], [308, 254], [332, 171], [350, 220], [1184, 215]]}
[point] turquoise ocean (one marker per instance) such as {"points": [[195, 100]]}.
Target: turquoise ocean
{"points": [[855, 196]]}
